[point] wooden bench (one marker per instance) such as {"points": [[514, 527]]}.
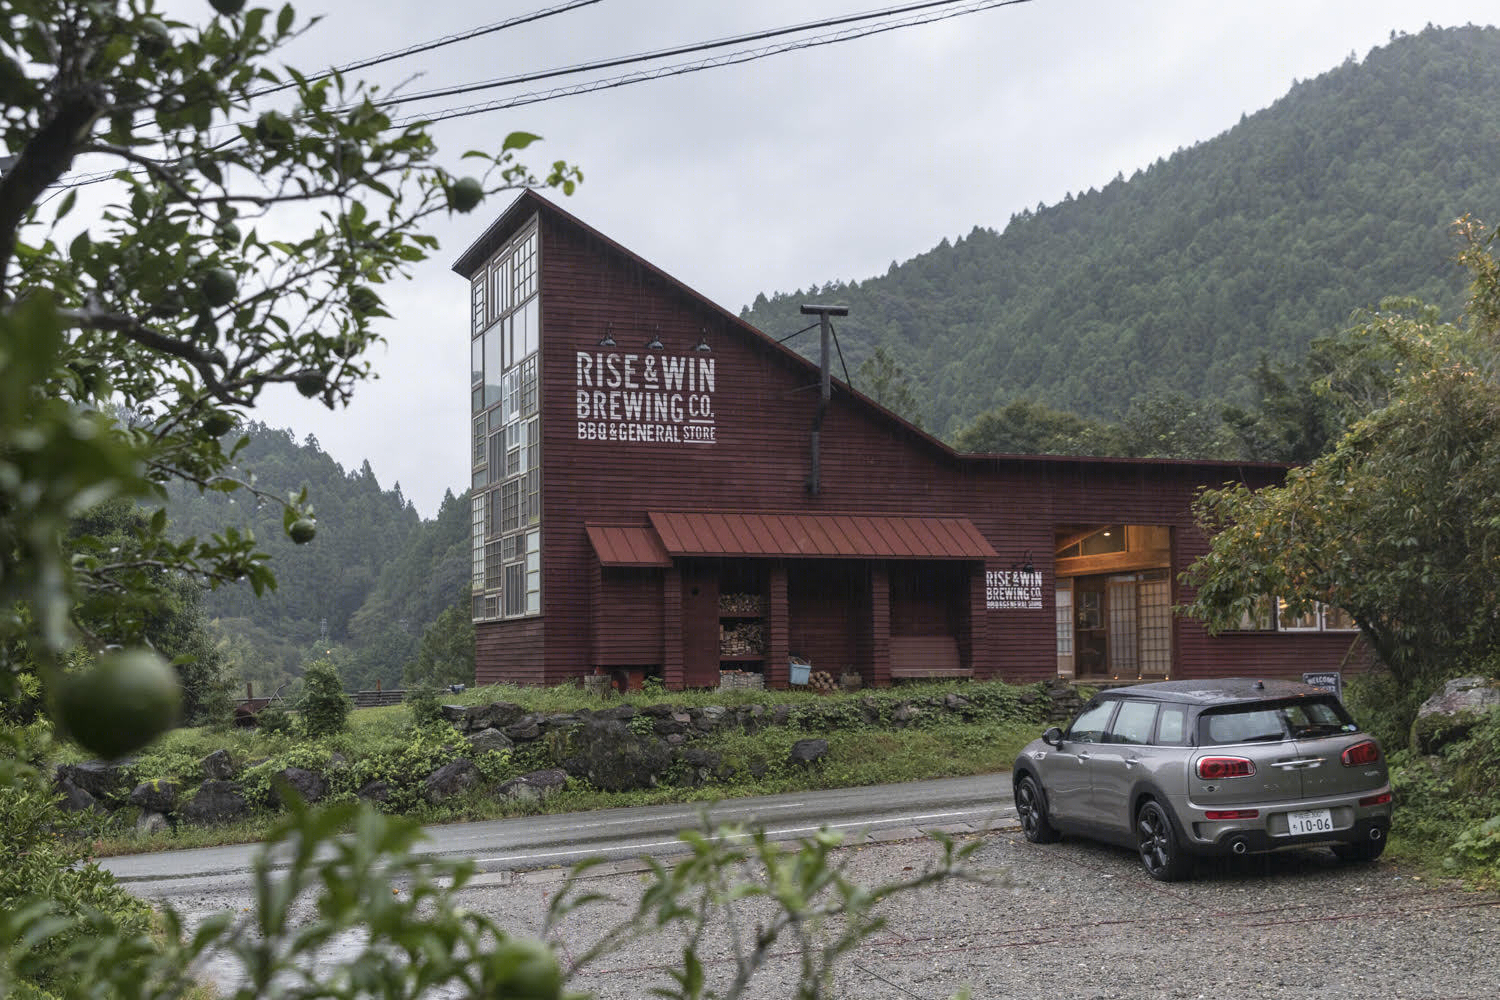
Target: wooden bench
{"points": [[918, 656]]}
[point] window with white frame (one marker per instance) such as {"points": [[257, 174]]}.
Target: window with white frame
{"points": [[506, 336], [1268, 614]]}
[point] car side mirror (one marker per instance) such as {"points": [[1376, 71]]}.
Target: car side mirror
{"points": [[1052, 737]]}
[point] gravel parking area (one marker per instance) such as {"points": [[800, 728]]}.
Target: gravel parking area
{"points": [[1080, 920], [1072, 920]]}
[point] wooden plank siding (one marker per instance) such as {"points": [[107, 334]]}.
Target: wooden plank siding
{"points": [[838, 613]]}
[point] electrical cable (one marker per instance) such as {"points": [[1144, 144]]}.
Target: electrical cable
{"points": [[755, 36], [438, 43], [728, 59], [715, 62]]}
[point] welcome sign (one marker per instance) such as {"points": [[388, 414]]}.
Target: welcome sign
{"points": [[645, 398]]}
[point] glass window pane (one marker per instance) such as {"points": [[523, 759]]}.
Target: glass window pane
{"points": [[476, 361], [1133, 723], [494, 364], [1337, 619], [1171, 726], [1090, 725], [1292, 623], [528, 322]]}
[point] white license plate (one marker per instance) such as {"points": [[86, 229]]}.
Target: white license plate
{"points": [[1309, 821]]}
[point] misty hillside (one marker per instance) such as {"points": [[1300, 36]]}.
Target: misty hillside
{"points": [[1179, 278]]}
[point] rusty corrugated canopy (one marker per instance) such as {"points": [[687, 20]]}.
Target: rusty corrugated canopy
{"points": [[624, 545], [844, 536]]}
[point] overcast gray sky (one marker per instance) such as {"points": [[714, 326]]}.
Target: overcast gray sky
{"points": [[811, 166]]}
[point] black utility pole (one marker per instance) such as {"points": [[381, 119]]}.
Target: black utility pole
{"points": [[814, 483]]}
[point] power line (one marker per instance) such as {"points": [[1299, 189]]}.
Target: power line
{"points": [[611, 63], [713, 62], [438, 43], [923, 15]]}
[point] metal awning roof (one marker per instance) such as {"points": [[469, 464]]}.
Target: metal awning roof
{"points": [[622, 545], [846, 536]]}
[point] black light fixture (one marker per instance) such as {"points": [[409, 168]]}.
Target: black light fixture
{"points": [[608, 340], [703, 342], [655, 344]]}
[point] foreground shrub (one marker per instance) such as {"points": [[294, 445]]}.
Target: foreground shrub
{"points": [[325, 706]]}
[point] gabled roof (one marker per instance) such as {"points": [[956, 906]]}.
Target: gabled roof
{"points": [[529, 202]]}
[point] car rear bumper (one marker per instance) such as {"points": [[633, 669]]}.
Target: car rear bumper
{"points": [[1353, 824]]}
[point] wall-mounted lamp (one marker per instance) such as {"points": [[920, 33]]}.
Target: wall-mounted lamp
{"points": [[655, 344], [703, 342], [608, 340]]}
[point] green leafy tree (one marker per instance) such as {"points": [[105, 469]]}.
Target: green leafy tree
{"points": [[1026, 427], [1399, 522], [886, 382], [325, 707], [446, 655], [174, 300]]}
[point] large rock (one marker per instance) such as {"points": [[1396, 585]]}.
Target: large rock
{"points": [[489, 739], [473, 718], [310, 786], [525, 729], [158, 796], [103, 780], [375, 790], [217, 766], [71, 798], [214, 802], [532, 787], [808, 752], [1450, 714], [451, 779], [151, 822], [613, 757]]}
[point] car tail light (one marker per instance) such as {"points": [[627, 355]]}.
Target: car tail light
{"points": [[1231, 813], [1376, 800], [1367, 752], [1215, 768]]}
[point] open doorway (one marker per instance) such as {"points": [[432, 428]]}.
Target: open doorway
{"points": [[1114, 601]]}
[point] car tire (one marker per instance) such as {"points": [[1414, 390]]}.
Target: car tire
{"points": [[1160, 848], [1031, 810], [1360, 851]]}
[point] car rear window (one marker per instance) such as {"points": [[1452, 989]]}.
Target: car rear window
{"points": [[1270, 722]]}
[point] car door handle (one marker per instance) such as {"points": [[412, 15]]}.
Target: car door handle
{"points": [[1299, 765], [1084, 756], [1132, 761]]}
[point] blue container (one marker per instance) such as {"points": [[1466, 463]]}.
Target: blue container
{"points": [[800, 672]]}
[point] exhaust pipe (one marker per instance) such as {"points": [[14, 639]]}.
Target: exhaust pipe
{"points": [[1239, 846], [1376, 833]]}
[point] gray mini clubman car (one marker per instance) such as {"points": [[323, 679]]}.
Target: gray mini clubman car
{"points": [[1183, 768]]}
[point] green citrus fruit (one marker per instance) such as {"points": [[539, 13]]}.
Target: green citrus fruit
{"points": [[126, 700], [465, 194], [227, 7], [218, 423], [525, 969], [303, 530], [219, 286], [309, 383]]}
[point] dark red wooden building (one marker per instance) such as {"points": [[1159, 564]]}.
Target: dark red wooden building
{"points": [[647, 498]]}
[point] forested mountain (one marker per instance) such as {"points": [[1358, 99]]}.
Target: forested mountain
{"points": [[1179, 279], [361, 593]]}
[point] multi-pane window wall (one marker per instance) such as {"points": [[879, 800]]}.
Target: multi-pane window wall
{"points": [[506, 433]]}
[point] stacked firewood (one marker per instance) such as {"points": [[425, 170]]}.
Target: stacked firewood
{"points": [[822, 680], [731, 679], [742, 639], [742, 604]]}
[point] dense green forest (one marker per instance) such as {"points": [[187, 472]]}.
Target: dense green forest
{"points": [[1178, 280], [361, 594]]}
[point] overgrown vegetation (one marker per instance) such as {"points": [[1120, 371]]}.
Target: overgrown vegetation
{"points": [[1447, 803], [400, 745]]}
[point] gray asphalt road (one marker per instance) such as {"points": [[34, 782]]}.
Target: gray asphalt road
{"points": [[960, 804]]}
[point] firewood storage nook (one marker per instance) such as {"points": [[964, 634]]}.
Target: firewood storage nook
{"points": [[659, 488]]}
